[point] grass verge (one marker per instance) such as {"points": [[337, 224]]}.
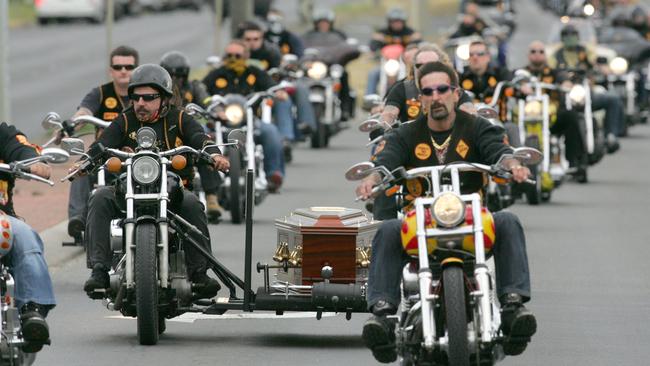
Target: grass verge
{"points": [[21, 13]]}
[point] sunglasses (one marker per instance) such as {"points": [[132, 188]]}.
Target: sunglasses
{"points": [[120, 67], [477, 54], [252, 39], [146, 97], [234, 55], [532, 52], [441, 89]]}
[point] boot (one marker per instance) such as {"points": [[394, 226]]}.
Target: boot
{"points": [[203, 286], [518, 324], [214, 208], [99, 279], [34, 327], [379, 336]]}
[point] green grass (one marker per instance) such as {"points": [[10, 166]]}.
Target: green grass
{"points": [[21, 13]]}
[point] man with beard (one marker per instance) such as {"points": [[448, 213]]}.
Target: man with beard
{"points": [[442, 135], [236, 77], [150, 90], [563, 122]]}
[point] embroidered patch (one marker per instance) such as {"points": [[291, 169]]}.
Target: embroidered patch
{"points": [[133, 136], [380, 147], [467, 84], [285, 49], [110, 102], [422, 151], [413, 111], [221, 83], [414, 187], [109, 116], [189, 97], [178, 142], [462, 149], [548, 79], [492, 81], [251, 79]]}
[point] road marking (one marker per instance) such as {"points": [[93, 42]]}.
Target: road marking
{"points": [[192, 317]]}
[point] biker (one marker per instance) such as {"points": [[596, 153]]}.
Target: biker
{"points": [[186, 91], [397, 32], [236, 77], [323, 20], [443, 135], [288, 42], [566, 122], [639, 22], [105, 102], [571, 56], [34, 295], [471, 23], [481, 77], [150, 91]]}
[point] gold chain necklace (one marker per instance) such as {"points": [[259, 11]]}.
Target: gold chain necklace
{"points": [[443, 145]]}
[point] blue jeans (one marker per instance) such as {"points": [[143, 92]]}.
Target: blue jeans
{"points": [[373, 81], [388, 259], [269, 137], [614, 112], [304, 109], [283, 117], [28, 267]]}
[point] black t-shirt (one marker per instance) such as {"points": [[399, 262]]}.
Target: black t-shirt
{"points": [[224, 81], [92, 101], [397, 97]]}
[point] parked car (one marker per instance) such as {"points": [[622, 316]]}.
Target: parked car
{"points": [[92, 10]]}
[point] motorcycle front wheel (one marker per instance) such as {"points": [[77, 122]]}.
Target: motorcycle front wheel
{"points": [[455, 315], [320, 136], [146, 283]]}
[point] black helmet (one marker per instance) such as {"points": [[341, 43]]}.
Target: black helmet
{"points": [[323, 14], [569, 29], [176, 64], [151, 75], [396, 14]]}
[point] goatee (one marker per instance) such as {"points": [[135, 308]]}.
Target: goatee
{"points": [[438, 111]]}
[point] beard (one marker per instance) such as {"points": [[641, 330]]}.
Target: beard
{"points": [[143, 114], [438, 111]]}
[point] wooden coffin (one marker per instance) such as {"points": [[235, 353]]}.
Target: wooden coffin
{"points": [[329, 236]]}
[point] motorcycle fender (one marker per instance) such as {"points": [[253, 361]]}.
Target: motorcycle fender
{"points": [[316, 98]]}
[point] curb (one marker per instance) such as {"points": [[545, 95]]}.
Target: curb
{"points": [[56, 254]]}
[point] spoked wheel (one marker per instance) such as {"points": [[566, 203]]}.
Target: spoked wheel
{"points": [[534, 192], [146, 283], [236, 194], [455, 315], [320, 137]]}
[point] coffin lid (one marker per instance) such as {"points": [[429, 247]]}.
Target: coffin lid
{"points": [[331, 219]]}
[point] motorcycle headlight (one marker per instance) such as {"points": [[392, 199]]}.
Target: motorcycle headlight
{"points": [[533, 108], [577, 94], [336, 71], [146, 137], [317, 70], [462, 52], [145, 170], [589, 10], [618, 65], [448, 209], [234, 114], [391, 68]]}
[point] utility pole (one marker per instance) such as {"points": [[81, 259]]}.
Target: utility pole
{"points": [[4, 57], [240, 10], [415, 20], [110, 20], [218, 32]]}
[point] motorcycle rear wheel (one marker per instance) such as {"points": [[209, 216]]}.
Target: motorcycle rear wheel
{"points": [[455, 315], [146, 283], [236, 194], [320, 137]]}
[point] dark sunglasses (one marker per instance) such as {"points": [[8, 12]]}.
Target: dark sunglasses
{"points": [[146, 97], [234, 55], [478, 54], [120, 67], [252, 39], [441, 89], [532, 52]]}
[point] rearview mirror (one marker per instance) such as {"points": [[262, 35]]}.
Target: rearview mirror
{"points": [[52, 120], [370, 101], [359, 171], [237, 136], [487, 112], [528, 155], [192, 109], [213, 61], [55, 155], [73, 146], [370, 125]]}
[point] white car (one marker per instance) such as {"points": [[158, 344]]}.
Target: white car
{"points": [[93, 10]]}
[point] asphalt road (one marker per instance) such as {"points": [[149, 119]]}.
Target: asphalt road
{"points": [[587, 247]]}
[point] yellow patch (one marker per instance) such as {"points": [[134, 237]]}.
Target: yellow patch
{"points": [[285, 48], [264, 64], [380, 146], [133, 136], [467, 84], [109, 116], [178, 142], [110, 102], [422, 151], [189, 97], [548, 79], [413, 111], [23, 140], [492, 81], [251, 79], [221, 83], [414, 187], [462, 149]]}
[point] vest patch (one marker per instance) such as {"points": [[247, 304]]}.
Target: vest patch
{"points": [[422, 151], [492, 81], [109, 116], [462, 149], [467, 84], [221, 83], [110, 102], [413, 111], [189, 97], [251, 79]]}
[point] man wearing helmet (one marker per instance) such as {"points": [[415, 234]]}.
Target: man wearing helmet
{"points": [[104, 102], [288, 42], [186, 91], [574, 56], [396, 32], [150, 91]]}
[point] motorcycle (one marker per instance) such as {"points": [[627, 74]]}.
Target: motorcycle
{"points": [[391, 68], [239, 113], [149, 278], [449, 312], [71, 129], [12, 341]]}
